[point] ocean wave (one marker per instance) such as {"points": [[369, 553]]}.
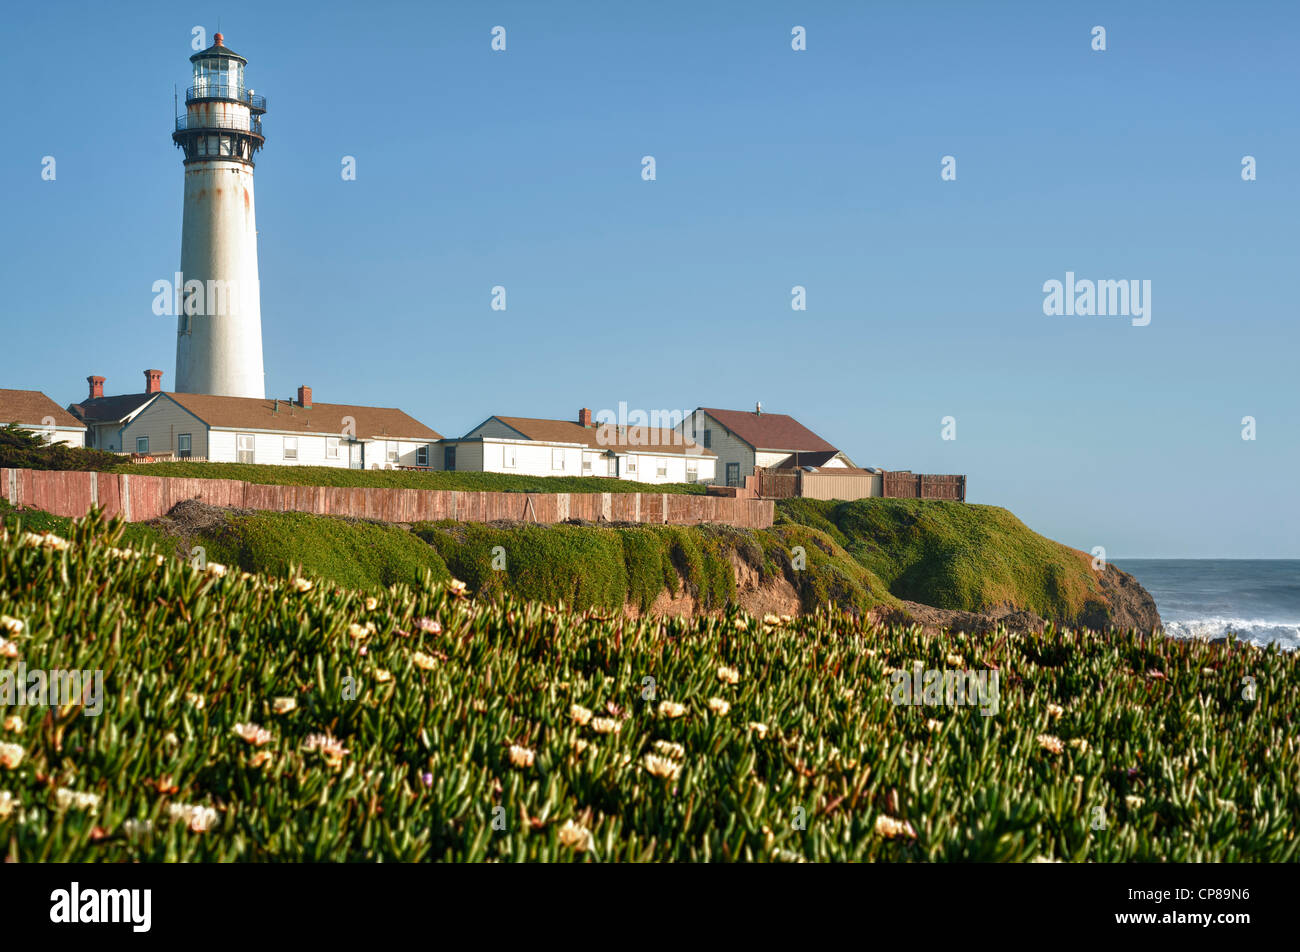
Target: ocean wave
{"points": [[1257, 630]]}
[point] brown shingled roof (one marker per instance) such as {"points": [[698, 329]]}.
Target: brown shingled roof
{"points": [[31, 407], [770, 431], [605, 436], [256, 414]]}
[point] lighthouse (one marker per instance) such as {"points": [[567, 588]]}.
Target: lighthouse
{"points": [[219, 311]]}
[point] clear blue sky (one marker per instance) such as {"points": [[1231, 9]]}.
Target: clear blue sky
{"points": [[775, 168]]}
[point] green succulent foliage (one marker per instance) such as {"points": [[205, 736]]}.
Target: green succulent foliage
{"points": [[953, 554], [1191, 753]]}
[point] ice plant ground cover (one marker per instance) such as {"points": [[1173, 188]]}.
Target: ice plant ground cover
{"points": [[250, 717]]}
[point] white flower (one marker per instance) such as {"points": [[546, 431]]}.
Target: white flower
{"points": [[759, 729], [662, 767], [1050, 743], [198, 818], [669, 749], [11, 755], [457, 587], [86, 802], [1133, 801], [137, 828], [257, 736], [580, 714], [7, 803], [728, 675], [719, 706], [605, 725], [371, 604], [215, 569], [1055, 710], [889, 827], [302, 585], [11, 625], [8, 649], [521, 756], [14, 723], [576, 836], [284, 705], [331, 748], [1079, 744], [423, 661], [44, 540], [671, 709]]}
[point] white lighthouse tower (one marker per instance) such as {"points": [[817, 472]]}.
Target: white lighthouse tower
{"points": [[219, 322]]}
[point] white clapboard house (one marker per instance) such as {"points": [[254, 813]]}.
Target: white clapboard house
{"points": [[285, 432], [744, 439], [540, 447], [35, 412]]}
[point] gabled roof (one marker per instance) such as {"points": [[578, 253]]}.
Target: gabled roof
{"points": [[604, 436], [31, 407], [110, 409], [770, 431], [253, 413]]}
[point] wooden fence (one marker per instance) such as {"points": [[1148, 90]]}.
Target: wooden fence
{"points": [[849, 484], [141, 498], [924, 486]]}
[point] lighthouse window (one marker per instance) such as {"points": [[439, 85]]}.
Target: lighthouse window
{"points": [[225, 145]]}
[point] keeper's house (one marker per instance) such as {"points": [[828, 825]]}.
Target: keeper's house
{"points": [[105, 417], [539, 447], [279, 432], [34, 411], [744, 440]]}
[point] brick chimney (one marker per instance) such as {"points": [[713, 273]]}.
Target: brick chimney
{"points": [[96, 387], [304, 397], [153, 381], [584, 417]]}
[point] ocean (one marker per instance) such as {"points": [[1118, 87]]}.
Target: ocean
{"points": [[1256, 599]]}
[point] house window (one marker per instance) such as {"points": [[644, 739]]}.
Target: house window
{"points": [[733, 474], [390, 451], [291, 447], [557, 459], [708, 439], [662, 468], [183, 444], [692, 470], [422, 456], [244, 444], [142, 444], [449, 458], [331, 447], [631, 466], [508, 459], [586, 466]]}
